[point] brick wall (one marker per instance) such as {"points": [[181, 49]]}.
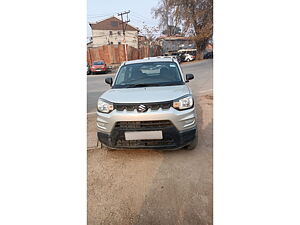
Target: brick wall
{"points": [[115, 54]]}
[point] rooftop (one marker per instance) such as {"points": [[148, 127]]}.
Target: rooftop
{"points": [[111, 23], [172, 38]]}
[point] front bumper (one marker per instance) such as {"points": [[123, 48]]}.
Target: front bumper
{"points": [[98, 69], [182, 120], [172, 139]]}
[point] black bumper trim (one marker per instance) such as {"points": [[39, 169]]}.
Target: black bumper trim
{"points": [[173, 139]]}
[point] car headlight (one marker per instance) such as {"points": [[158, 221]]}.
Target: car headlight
{"points": [[104, 106], [185, 102]]}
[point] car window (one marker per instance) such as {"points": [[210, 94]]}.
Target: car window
{"points": [[99, 63], [148, 74]]}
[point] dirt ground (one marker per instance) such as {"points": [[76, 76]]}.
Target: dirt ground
{"points": [[150, 186]]}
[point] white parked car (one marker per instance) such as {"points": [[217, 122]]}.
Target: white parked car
{"points": [[189, 57]]}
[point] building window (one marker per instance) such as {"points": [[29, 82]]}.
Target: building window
{"points": [[114, 23], [119, 42], [119, 33], [111, 43], [110, 32]]}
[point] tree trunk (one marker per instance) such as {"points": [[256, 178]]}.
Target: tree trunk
{"points": [[200, 45]]}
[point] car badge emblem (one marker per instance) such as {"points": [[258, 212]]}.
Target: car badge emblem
{"points": [[142, 108]]}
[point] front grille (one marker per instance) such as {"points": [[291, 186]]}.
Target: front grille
{"points": [[166, 126], [133, 106], [156, 124], [145, 143]]}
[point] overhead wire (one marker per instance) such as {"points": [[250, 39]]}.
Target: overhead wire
{"points": [[141, 16]]}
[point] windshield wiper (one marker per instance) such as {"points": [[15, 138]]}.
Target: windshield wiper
{"points": [[142, 85], [148, 85]]}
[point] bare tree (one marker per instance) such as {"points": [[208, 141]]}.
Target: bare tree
{"points": [[167, 20], [150, 32], [172, 30], [193, 14]]}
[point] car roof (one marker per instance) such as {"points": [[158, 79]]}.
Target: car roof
{"points": [[150, 59]]}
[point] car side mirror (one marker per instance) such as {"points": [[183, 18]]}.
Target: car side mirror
{"points": [[189, 77], [109, 80]]}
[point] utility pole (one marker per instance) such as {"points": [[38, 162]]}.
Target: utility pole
{"points": [[124, 25]]}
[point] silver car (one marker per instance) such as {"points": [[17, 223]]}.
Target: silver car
{"points": [[148, 106]]}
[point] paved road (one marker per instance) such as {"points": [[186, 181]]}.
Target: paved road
{"points": [[203, 81]]}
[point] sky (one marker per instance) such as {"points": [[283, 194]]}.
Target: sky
{"points": [[140, 11]]}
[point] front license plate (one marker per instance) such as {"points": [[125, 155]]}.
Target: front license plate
{"points": [[143, 135]]}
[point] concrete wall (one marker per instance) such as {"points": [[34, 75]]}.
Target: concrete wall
{"points": [[103, 37]]}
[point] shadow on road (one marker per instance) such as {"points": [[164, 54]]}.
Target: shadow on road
{"points": [[181, 191]]}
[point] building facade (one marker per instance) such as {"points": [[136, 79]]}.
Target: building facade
{"points": [[174, 43], [110, 32]]}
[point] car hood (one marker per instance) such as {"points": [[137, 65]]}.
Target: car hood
{"points": [[145, 94]]}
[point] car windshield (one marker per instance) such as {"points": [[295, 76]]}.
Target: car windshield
{"points": [[99, 63], [148, 74]]}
